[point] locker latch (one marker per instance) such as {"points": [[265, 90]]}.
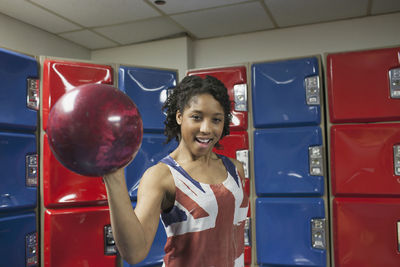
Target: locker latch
{"points": [[31, 250], [32, 95], [312, 90], [394, 83], [31, 170], [109, 243], [396, 158], [318, 233], [315, 156], [240, 96], [243, 157], [247, 232]]}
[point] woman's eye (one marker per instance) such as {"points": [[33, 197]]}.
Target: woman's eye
{"points": [[196, 117], [217, 120]]}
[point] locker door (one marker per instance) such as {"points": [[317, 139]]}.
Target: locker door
{"points": [[149, 89], [78, 237], [364, 86], [18, 104], [235, 80], [366, 232], [18, 240], [156, 253], [62, 187], [286, 93], [285, 232], [283, 161], [19, 171], [151, 152], [363, 159]]}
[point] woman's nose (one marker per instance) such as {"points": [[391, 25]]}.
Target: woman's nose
{"points": [[205, 126]]}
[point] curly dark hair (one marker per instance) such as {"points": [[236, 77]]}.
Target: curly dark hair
{"points": [[182, 94]]}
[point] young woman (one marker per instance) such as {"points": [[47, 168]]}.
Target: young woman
{"points": [[198, 193]]}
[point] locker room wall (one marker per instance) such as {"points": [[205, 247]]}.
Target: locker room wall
{"points": [[346, 35], [25, 38]]}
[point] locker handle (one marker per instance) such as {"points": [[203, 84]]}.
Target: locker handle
{"points": [[32, 94], [109, 243], [396, 159], [243, 157], [398, 236], [318, 233], [315, 159], [394, 83], [312, 87], [247, 232], [31, 170], [240, 96], [31, 246]]}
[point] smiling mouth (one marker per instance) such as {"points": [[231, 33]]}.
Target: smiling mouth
{"points": [[203, 140]]}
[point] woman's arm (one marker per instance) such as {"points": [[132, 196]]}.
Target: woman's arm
{"points": [[134, 230]]}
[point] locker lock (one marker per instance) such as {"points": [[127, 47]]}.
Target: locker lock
{"points": [[240, 96], [243, 157], [318, 233], [315, 156], [398, 236], [312, 90], [394, 83], [109, 243], [31, 170], [31, 250], [32, 95], [247, 232], [396, 157]]}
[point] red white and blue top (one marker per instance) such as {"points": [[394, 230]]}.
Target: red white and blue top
{"points": [[205, 227]]}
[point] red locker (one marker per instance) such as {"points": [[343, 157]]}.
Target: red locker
{"points": [[363, 159], [235, 81], [78, 237], [366, 232], [62, 187], [364, 86]]}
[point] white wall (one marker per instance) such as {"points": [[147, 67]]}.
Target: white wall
{"points": [[21, 37], [171, 53], [347, 35]]}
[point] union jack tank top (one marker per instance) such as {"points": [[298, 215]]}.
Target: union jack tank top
{"points": [[205, 227]]}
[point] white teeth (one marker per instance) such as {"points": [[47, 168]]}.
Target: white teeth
{"points": [[203, 140]]}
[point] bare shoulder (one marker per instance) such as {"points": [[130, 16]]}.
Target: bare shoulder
{"points": [[157, 175]]}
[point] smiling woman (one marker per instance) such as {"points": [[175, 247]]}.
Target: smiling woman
{"points": [[198, 194]]}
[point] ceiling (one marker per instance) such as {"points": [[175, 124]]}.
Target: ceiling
{"points": [[97, 24]]}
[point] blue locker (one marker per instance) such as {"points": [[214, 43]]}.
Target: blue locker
{"points": [[151, 152], [18, 164], [18, 240], [149, 89], [279, 93], [156, 253], [284, 231], [282, 164], [15, 70]]}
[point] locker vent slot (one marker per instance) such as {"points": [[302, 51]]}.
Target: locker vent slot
{"points": [[315, 160], [243, 157], [31, 250]]}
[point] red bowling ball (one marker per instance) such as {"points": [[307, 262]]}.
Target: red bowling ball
{"points": [[94, 129]]}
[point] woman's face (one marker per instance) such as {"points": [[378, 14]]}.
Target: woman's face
{"points": [[202, 123]]}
